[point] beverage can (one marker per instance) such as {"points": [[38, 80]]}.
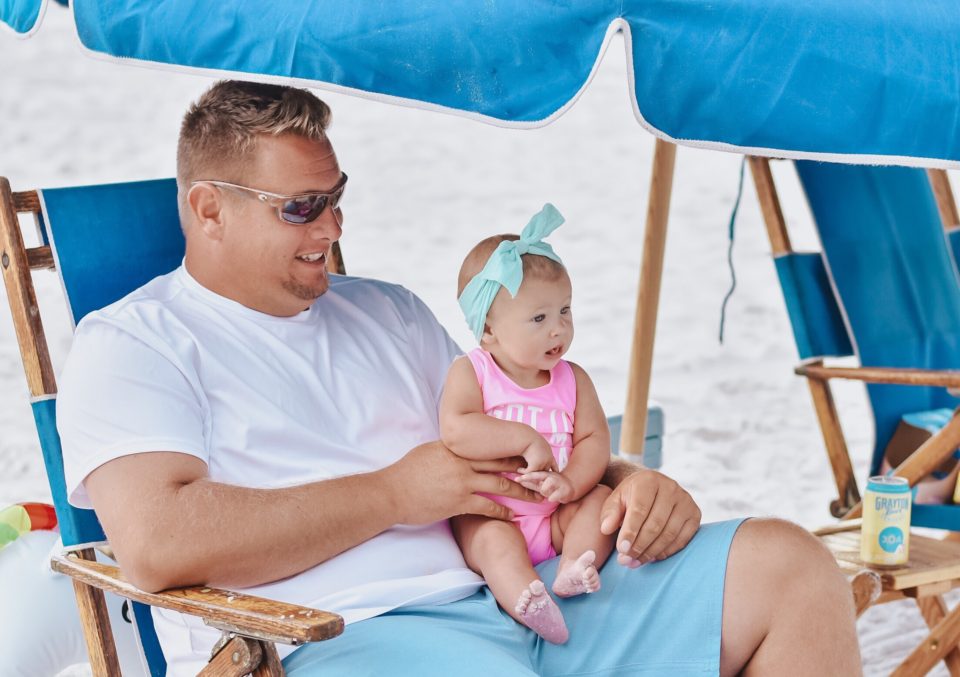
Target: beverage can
{"points": [[885, 531]]}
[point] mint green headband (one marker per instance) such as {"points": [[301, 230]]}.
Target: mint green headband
{"points": [[504, 268]]}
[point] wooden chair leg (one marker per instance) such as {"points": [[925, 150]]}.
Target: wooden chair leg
{"points": [[270, 665], [943, 639], [836, 447], [244, 656], [96, 625], [237, 657], [934, 610]]}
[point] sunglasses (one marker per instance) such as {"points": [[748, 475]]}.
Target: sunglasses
{"points": [[294, 209]]}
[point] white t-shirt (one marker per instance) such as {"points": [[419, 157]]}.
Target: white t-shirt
{"points": [[349, 385]]}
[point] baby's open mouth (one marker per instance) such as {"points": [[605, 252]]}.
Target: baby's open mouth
{"points": [[553, 352]]}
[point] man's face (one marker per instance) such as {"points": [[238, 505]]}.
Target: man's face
{"points": [[267, 264]]}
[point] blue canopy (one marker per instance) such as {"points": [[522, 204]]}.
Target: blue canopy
{"points": [[874, 81], [22, 16]]}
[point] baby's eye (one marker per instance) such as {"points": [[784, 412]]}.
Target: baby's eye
{"points": [[539, 318], [565, 310]]}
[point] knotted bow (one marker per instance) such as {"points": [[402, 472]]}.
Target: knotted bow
{"points": [[504, 268]]}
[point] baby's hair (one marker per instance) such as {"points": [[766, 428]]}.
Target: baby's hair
{"points": [[534, 265]]}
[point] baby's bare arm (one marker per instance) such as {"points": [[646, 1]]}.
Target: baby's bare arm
{"points": [[591, 438], [470, 433]]}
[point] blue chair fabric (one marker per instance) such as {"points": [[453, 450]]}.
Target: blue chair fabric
{"points": [[129, 229], [815, 317]]}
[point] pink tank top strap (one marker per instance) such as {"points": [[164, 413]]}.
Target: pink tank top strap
{"points": [[479, 358], [565, 384]]}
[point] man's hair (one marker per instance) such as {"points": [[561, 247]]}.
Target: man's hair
{"points": [[219, 132], [534, 265]]}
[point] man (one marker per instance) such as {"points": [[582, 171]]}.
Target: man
{"points": [[248, 422]]}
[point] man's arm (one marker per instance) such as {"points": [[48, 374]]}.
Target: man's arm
{"points": [[655, 516], [170, 526]]}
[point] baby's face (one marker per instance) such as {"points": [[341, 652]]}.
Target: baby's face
{"points": [[534, 329]]}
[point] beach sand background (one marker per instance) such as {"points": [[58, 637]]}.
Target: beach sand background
{"points": [[740, 430]]}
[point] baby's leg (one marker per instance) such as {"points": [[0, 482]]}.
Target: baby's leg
{"points": [[496, 550], [576, 535]]}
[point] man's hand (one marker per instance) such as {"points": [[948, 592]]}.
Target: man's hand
{"points": [[431, 483], [553, 486], [655, 515]]}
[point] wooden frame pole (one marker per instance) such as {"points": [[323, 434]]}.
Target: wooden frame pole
{"points": [[934, 610], [633, 430], [943, 194], [939, 643], [826, 410], [15, 266], [770, 206], [95, 620]]}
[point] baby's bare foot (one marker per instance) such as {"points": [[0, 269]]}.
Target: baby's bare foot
{"points": [[540, 613], [578, 577]]}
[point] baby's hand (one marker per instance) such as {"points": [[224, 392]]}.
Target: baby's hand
{"points": [[539, 456], [553, 486]]}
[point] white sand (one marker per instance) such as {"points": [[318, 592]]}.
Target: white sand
{"points": [[741, 434]]}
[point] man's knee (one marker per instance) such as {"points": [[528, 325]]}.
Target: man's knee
{"points": [[785, 554]]}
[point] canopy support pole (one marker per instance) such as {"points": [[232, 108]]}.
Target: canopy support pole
{"points": [[634, 426]]}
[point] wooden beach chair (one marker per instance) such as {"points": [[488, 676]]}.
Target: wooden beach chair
{"points": [[885, 289], [103, 242]]}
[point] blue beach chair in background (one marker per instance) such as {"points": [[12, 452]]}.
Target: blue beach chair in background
{"points": [[884, 289], [100, 253]]}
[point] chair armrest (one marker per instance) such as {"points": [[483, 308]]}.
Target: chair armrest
{"points": [[892, 375], [245, 615]]}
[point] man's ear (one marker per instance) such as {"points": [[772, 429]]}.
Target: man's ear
{"points": [[206, 207]]}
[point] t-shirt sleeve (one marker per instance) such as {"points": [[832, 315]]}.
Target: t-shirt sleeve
{"points": [[119, 396], [436, 349]]}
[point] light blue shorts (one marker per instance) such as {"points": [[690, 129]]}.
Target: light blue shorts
{"points": [[662, 618]]}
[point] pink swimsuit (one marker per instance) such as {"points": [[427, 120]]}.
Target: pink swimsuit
{"points": [[548, 410]]}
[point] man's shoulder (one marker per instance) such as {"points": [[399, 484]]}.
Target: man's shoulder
{"points": [[152, 299], [348, 285], [368, 290], [385, 302]]}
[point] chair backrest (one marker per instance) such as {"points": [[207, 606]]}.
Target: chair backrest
{"points": [[104, 241], [893, 271], [887, 269], [108, 240]]}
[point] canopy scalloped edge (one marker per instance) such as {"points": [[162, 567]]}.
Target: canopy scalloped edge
{"points": [[615, 26], [27, 30]]}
